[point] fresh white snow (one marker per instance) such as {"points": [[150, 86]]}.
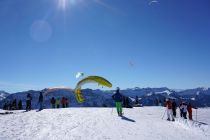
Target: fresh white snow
{"points": [[144, 123]]}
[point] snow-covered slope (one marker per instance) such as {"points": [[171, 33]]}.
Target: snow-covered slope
{"points": [[98, 124]]}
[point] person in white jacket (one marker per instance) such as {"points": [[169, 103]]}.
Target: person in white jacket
{"points": [[183, 107]]}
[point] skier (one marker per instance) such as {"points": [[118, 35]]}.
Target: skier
{"points": [[20, 106], [117, 97], [174, 107], [53, 102], [183, 107], [40, 101], [58, 102], [28, 102], [63, 101], [168, 104]]}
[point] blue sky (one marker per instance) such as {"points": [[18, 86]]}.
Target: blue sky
{"points": [[44, 43]]}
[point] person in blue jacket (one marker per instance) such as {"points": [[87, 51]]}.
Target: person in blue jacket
{"points": [[117, 97]]}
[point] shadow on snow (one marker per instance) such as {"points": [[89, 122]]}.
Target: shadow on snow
{"points": [[127, 119]]}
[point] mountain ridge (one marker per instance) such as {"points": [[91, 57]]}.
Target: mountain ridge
{"points": [[103, 98]]}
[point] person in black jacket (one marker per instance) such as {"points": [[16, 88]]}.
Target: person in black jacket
{"points": [[20, 106], [14, 104], [117, 97], [127, 102], [28, 102], [40, 101], [174, 107], [5, 106], [53, 102], [137, 100]]}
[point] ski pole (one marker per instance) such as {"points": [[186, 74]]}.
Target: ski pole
{"points": [[196, 115], [164, 114]]}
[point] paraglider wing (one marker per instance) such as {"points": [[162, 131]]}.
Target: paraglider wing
{"points": [[94, 79], [79, 96], [90, 79]]}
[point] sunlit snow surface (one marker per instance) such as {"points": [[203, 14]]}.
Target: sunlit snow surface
{"points": [[100, 124]]}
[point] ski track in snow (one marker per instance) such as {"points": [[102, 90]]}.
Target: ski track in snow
{"points": [[98, 124]]}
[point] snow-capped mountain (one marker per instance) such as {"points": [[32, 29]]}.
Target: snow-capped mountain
{"points": [[133, 92], [195, 91], [3, 95], [199, 97]]}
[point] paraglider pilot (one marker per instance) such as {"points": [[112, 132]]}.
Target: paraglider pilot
{"points": [[117, 97]]}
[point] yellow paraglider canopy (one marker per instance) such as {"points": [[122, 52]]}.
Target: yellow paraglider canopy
{"points": [[90, 79]]}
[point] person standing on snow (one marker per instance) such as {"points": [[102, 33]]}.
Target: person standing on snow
{"points": [[28, 102], [20, 106], [57, 102], [137, 100], [53, 102], [183, 107], [189, 109], [117, 97], [168, 104], [67, 102], [174, 107], [63, 101], [14, 104], [40, 101]]}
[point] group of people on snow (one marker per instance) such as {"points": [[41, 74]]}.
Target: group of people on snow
{"points": [[170, 104], [55, 103], [13, 105], [183, 107], [120, 101]]}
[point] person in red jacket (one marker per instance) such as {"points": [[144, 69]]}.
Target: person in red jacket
{"points": [[168, 104], [189, 109], [63, 101]]}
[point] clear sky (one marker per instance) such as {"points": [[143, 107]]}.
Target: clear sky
{"points": [[44, 43]]}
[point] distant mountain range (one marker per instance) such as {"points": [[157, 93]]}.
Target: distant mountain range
{"points": [[3, 95], [199, 97]]}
